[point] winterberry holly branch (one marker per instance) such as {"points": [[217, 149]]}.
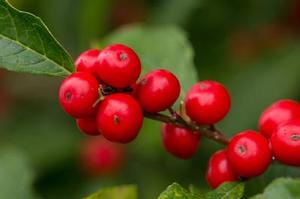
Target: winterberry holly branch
{"points": [[209, 131], [106, 98]]}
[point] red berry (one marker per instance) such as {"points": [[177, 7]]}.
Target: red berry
{"points": [[180, 142], [118, 66], [249, 153], [207, 102], [119, 118], [158, 90], [101, 157], [88, 126], [86, 62], [286, 143], [278, 112], [219, 170], [78, 93]]}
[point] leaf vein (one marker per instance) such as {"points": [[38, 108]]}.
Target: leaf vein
{"points": [[34, 51]]}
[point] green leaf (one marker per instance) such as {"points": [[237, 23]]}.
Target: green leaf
{"points": [[259, 196], [232, 190], [159, 47], [26, 45], [275, 171], [195, 190], [175, 191], [16, 176], [287, 188], [120, 192]]}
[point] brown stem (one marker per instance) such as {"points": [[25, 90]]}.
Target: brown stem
{"points": [[208, 131]]}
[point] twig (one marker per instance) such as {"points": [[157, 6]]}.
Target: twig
{"points": [[208, 131]]}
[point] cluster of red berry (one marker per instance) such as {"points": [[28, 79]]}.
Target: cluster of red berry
{"points": [[250, 153], [106, 98]]}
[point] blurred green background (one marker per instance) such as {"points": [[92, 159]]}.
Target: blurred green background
{"points": [[251, 46]]}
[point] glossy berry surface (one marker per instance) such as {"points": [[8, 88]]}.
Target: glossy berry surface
{"points": [[219, 170], [158, 90], [118, 66], [249, 154], [101, 157], [180, 142], [86, 62], [278, 112], [285, 143], [78, 93], [207, 102], [88, 126], [119, 118]]}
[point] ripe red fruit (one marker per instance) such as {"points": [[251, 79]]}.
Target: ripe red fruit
{"points": [[207, 102], [180, 142], [86, 62], [249, 154], [158, 90], [119, 118], [88, 126], [219, 170], [101, 157], [278, 112], [78, 93], [286, 143], [118, 66]]}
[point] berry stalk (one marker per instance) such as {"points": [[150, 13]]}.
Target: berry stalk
{"points": [[208, 131]]}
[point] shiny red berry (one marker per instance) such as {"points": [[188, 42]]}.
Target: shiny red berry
{"points": [[78, 93], [207, 102], [101, 157], [88, 126], [285, 143], [86, 62], [119, 118], [278, 112], [249, 154], [219, 170], [118, 66], [158, 90], [180, 142]]}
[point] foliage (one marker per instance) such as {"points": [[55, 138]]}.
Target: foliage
{"points": [[26, 45], [225, 191], [121, 192], [287, 188], [280, 188]]}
